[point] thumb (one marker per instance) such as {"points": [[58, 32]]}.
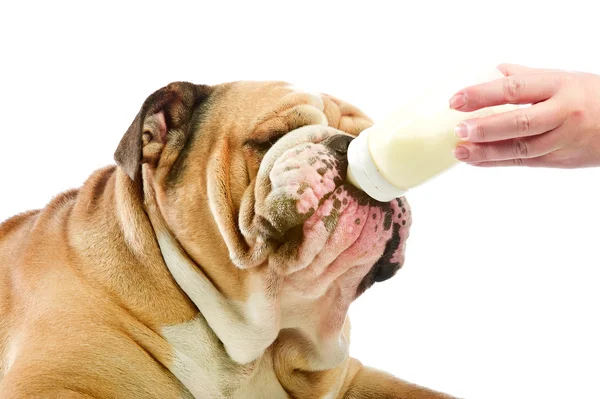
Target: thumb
{"points": [[515, 69]]}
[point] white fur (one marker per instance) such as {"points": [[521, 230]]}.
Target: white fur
{"points": [[205, 370], [328, 351], [7, 359], [194, 350], [315, 100], [315, 96], [246, 330], [263, 383], [244, 339]]}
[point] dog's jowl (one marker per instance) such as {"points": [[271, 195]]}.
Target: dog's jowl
{"points": [[217, 259]]}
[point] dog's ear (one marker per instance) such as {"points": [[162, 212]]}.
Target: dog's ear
{"points": [[164, 110]]}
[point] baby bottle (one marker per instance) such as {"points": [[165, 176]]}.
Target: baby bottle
{"points": [[413, 144]]}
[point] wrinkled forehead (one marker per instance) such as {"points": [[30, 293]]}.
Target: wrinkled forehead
{"points": [[257, 109], [264, 110], [260, 98]]}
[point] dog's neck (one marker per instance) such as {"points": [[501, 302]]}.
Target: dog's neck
{"points": [[247, 328], [244, 338], [109, 218]]}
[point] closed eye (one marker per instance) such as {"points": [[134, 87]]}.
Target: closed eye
{"points": [[264, 145]]}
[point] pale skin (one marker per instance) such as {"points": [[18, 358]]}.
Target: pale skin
{"points": [[561, 128]]}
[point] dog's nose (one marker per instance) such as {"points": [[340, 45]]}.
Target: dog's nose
{"points": [[338, 143]]}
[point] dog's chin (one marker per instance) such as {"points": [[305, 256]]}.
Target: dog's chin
{"points": [[327, 232]]}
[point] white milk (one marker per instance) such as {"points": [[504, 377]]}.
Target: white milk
{"points": [[413, 144]]}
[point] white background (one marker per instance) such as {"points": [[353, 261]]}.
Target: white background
{"points": [[498, 297]]}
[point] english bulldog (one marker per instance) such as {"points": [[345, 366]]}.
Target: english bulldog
{"points": [[216, 259]]}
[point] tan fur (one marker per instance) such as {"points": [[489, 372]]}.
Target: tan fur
{"points": [[90, 305]]}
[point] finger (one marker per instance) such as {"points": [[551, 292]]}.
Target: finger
{"points": [[515, 89], [522, 148], [551, 160], [509, 69], [525, 122], [531, 162]]}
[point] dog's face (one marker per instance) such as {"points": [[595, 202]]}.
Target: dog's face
{"points": [[249, 178]]}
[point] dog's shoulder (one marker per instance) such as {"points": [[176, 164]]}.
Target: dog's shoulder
{"points": [[34, 231], [16, 224], [14, 233]]}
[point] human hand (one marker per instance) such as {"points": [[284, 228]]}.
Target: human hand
{"points": [[560, 129]]}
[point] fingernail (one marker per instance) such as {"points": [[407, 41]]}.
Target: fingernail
{"points": [[461, 130], [458, 100], [461, 153]]}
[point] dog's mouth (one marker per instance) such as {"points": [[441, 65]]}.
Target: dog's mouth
{"points": [[324, 229]]}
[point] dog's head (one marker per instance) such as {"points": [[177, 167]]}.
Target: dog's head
{"points": [[249, 179]]}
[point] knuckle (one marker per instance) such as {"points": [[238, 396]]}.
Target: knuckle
{"points": [[480, 152], [523, 123], [513, 87], [480, 132], [521, 149], [577, 115]]}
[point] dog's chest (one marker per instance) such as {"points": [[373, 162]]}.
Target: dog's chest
{"points": [[204, 368]]}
